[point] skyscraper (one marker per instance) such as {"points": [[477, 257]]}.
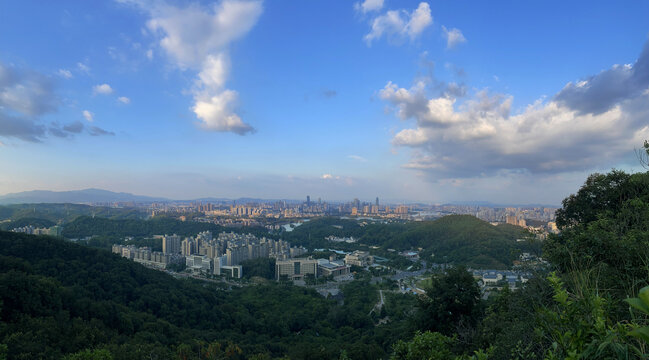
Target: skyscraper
{"points": [[171, 244], [377, 201], [308, 200]]}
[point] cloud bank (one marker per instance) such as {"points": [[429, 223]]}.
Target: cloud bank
{"points": [[589, 123]]}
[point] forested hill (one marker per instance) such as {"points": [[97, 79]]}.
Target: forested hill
{"points": [[60, 298], [88, 226], [46, 214], [461, 239]]}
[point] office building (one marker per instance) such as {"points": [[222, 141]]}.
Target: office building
{"points": [[296, 269]]}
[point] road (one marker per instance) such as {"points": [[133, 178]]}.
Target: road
{"points": [[380, 304]]}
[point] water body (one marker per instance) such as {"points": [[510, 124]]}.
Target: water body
{"points": [[290, 227]]}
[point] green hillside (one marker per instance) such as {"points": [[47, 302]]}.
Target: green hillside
{"points": [[461, 239], [59, 298], [38, 214]]}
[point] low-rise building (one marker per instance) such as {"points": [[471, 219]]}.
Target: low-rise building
{"points": [[359, 258], [296, 269], [332, 268]]}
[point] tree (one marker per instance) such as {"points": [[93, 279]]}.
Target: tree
{"points": [[427, 345], [643, 155], [605, 230], [452, 300]]}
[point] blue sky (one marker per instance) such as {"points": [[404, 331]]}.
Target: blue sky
{"points": [[510, 102]]}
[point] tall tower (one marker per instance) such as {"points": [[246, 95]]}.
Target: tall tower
{"points": [[308, 200], [377, 201]]}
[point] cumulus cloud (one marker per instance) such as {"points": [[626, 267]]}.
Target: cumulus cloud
{"points": [[327, 176], [453, 36], [399, 24], [368, 6], [599, 93], [480, 136], [90, 117], [124, 100], [102, 89], [197, 37]]}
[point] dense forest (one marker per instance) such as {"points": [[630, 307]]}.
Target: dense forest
{"points": [[61, 298], [594, 305], [45, 215], [459, 239]]}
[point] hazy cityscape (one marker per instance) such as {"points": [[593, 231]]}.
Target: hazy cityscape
{"points": [[324, 180]]}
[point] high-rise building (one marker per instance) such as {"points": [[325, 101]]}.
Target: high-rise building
{"points": [[377, 201], [308, 200], [188, 247], [171, 244]]}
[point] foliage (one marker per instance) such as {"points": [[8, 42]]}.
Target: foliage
{"points": [[65, 212], [427, 345], [511, 319], [579, 327], [59, 299], [261, 267], [460, 239], [25, 221], [641, 303], [452, 301], [605, 227]]}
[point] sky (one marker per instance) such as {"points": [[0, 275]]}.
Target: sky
{"points": [[411, 101]]}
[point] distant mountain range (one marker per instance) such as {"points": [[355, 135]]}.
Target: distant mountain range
{"points": [[99, 196], [87, 196], [74, 196]]}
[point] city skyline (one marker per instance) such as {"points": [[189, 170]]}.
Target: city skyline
{"points": [[414, 101]]}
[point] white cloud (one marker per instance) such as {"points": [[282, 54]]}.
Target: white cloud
{"points": [[327, 176], [357, 158], [197, 37], [90, 117], [124, 100], [453, 36], [2, 144], [480, 137], [83, 68], [149, 54], [368, 6], [64, 73], [399, 24], [192, 33], [103, 89]]}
